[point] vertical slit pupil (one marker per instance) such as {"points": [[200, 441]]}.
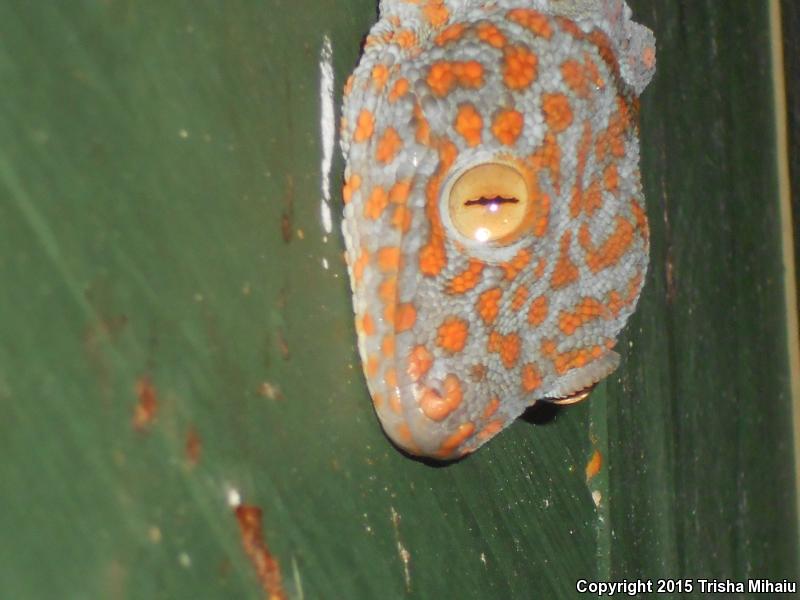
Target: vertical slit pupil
{"points": [[484, 201]]}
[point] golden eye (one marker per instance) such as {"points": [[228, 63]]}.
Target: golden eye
{"points": [[490, 203]]}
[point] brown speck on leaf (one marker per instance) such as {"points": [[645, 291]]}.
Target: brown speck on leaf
{"points": [[266, 566], [287, 217], [147, 404], [286, 227], [194, 447], [283, 346], [271, 391], [594, 465]]}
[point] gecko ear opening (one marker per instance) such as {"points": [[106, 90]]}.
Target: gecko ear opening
{"points": [[490, 202]]}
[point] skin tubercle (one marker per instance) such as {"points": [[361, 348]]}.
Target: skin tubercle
{"points": [[496, 240]]}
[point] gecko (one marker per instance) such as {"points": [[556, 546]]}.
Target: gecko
{"points": [[494, 222]]}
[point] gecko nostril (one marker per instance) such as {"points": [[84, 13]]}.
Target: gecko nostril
{"points": [[490, 202]]}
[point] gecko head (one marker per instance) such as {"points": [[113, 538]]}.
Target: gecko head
{"points": [[496, 239]]}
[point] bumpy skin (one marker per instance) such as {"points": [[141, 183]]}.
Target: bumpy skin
{"points": [[458, 337]]}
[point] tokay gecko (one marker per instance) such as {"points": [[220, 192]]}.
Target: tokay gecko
{"points": [[494, 219]]}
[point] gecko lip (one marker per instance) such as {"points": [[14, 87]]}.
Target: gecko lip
{"points": [[574, 398]]}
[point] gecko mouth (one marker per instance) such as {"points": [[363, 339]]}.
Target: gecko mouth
{"points": [[574, 398]]}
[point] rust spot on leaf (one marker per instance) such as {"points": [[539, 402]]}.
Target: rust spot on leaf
{"points": [[147, 404], [594, 465], [194, 447], [266, 566]]}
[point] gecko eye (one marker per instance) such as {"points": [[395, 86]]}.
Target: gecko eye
{"points": [[490, 203]]}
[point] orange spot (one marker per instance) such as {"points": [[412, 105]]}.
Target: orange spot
{"points": [[491, 429], [491, 35], [489, 305], [367, 324], [575, 77], [365, 125], [531, 377], [405, 38], [401, 219], [519, 67], [495, 339], [351, 186], [147, 404], [443, 76], [565, 271], [570, 27], [516, 264], [454, 441], [405, 317], [557, 112], [387, 290], [419, 362], [399, 192], [491, 408], [641, 219], [509, 350], [520, 296], [360, 264], [467, 279], [399, 89], [390, 378], [452, 334], [380, 75], [593, 197], [531, 19], [537, 313], [404, 433], [541, 265], [587, 310], [371, 368], [388, 146], [376, 203], [611, 178], [604, 48], [389, 258], [450, 34], [423, 129], [267, 569], [387, 347], [432, 256], [594, 465], [469, 124], [548, 156], [377, 400], [615, 302], [507, 126], [436, 13], [395, 402], [571, 359], [614, 248], [438, 406]]}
